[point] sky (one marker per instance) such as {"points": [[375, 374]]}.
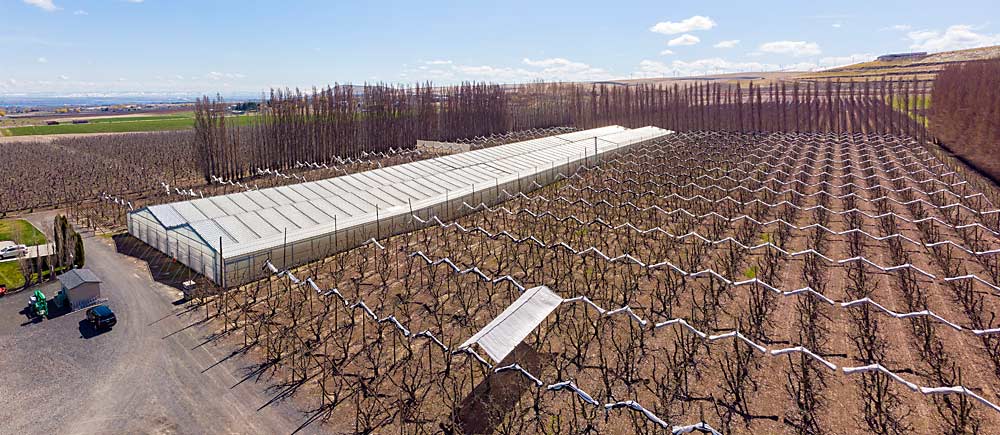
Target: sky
{"points": [[109, 47]]}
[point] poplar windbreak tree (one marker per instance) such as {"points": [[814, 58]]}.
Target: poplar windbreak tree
{"points": [[340, 121]]}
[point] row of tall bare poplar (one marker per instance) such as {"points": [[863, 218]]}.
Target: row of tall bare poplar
{"points": [[346, 120], [966, 113]]}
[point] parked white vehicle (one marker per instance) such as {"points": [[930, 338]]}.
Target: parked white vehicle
{"points": [[13, 251]]}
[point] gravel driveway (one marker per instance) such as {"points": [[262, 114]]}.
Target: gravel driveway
{"points": [[150, 374]]}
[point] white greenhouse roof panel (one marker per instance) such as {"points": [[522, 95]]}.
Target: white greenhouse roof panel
{"points": [[259, 220], [509, 329]]}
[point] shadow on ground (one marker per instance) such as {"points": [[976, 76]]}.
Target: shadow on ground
{"points": [[163, 269], [54, 311], [487, 405], [30, 317]]}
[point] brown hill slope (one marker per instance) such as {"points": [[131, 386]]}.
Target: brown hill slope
{"points": [[925, 68]]}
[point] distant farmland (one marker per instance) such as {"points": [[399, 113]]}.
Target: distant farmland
{"points": [[117, 124], [110, 125], [800, 257]]}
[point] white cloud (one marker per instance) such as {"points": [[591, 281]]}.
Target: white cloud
{"points": [[696, 22], [651, 68], [666, 52], [45, 5], [483, 70], [685, 39], [792, 48], [798, 66], [899, 27], [63, 77], [727, 44], [955, 37], [42, 60], [558, 68], [549, 69], [823, 63], [837, 25], [835, 61], [700, 67], [135, 1], [80, 12], [554, 62], [219, 75]]}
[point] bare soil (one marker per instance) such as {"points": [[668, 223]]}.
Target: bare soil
{"points": [[365, 375]]}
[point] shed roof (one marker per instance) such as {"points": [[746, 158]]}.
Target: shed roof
{"points": [[76, 277]]}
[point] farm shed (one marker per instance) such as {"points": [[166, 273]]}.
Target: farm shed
{"points": [[229, 238], [81, 287]]}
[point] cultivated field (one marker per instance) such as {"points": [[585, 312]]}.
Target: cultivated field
{"points": [[80, 170], [109, 125], [831, 276], [114, 124], [924, 68], [99, 177], [757, 283]]}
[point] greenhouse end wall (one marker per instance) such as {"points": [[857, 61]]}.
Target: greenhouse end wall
{"points": [[180, 243]]}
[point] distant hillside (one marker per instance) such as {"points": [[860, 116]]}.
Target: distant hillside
{"points": [[924, 68], [732, 78]]}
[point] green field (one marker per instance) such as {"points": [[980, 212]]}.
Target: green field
{"points": [[21, 232], [107, 126], [916, 103], [180, 115], [10, 275], [178, 121]]}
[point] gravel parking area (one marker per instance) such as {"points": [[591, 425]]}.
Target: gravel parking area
{"points": [[154, 372]]}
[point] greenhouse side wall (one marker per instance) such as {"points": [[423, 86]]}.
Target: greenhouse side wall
{"points": [[246, 268]]}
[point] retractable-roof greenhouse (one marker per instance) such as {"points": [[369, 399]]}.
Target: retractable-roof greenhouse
{"points": [[229, 238]]}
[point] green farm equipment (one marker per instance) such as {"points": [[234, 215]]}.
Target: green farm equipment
{"points": [[39, 304]]}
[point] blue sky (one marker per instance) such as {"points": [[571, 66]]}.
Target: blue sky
{"points": [[66, 47]]}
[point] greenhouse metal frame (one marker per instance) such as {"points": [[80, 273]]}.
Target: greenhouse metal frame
{"points": [[229, 238]]}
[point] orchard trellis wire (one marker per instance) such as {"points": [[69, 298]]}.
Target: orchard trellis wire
{"points": [[347, 120], [841, 238], [712, 281]]}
